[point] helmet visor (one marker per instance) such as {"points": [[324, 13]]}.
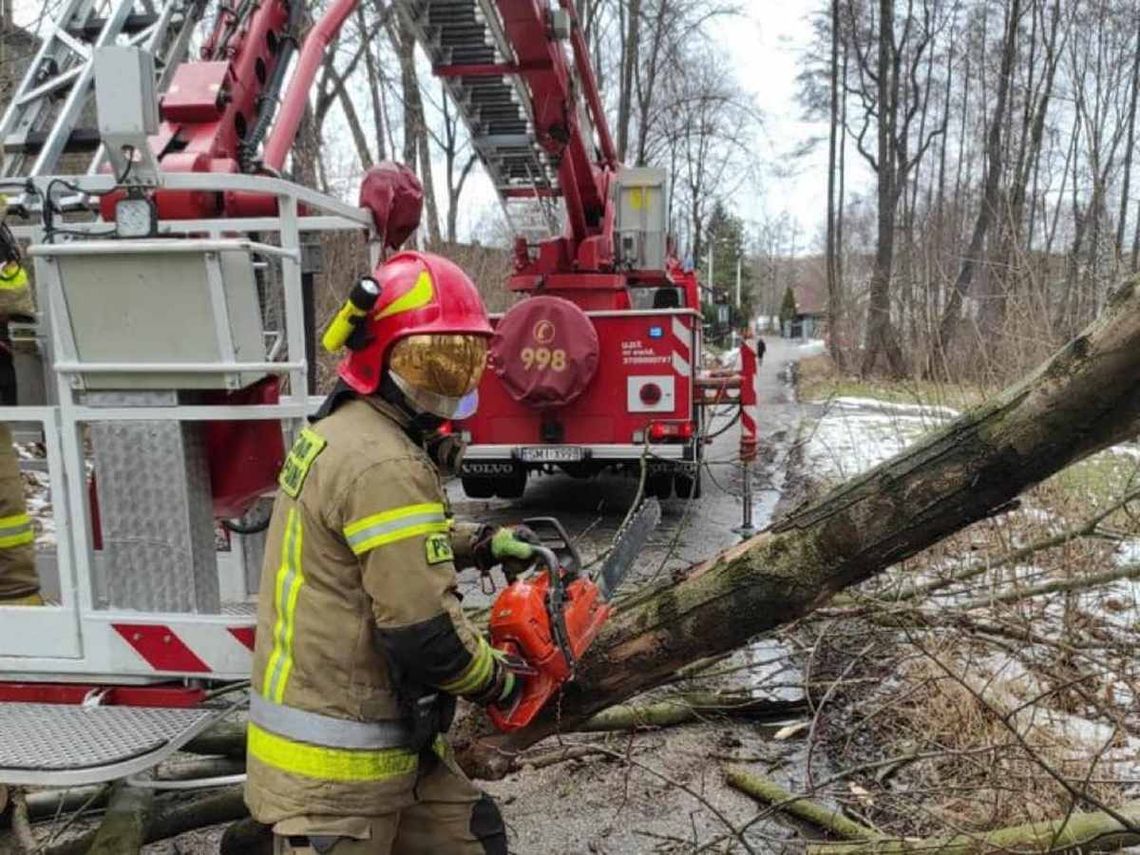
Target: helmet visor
{"points": [[438, 371]]}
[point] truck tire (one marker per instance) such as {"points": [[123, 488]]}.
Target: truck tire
{"points": [[659, 486], [511, 486], [687, 486], [478, 487]]}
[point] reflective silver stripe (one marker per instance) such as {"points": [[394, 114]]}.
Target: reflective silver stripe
{"points": [[365, 534], [317, 729], [19, 528]]}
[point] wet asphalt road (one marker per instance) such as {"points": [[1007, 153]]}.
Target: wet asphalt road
{"points": [[691, 530]]}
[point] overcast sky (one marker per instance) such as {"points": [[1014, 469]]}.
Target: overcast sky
{"points": [[765, 44]]}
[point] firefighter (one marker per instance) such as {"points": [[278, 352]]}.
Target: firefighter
{"points": [[362, 646], [19, 584]]}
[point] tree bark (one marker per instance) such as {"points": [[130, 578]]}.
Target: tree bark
{"points": [[1081, 832], [834, 292], [992, 184], [124, 825], [628, 71], [1083, 399], [882, 339]]}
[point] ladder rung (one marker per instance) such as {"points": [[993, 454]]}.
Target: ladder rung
{"points": [[80, 140]]}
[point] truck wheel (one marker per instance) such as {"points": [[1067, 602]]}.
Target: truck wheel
{"points": [[477, 487], [687, 486], [659, 486], [512, 486]]}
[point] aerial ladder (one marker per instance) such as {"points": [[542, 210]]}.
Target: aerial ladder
{"points": [[174, 337]]}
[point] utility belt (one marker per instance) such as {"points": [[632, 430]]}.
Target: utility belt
{"points": [[425, 716]]}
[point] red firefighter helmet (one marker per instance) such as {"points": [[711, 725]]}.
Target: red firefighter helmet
{"points": [[429, 328]]}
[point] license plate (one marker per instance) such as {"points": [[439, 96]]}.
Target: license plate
{"points": [[551, 454]]}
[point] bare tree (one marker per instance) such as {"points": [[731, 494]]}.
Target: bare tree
{"points": [[888, 62]]}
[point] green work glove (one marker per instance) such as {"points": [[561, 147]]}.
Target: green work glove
{"points": [[517, 542]]}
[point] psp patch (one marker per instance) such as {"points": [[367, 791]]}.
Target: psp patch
{"points": [[301, 456], [438, 548]]}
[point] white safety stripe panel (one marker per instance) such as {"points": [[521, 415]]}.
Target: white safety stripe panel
{"points": [[680, 364], [664, 404], [682, 334]]}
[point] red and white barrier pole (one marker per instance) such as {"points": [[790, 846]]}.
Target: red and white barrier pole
{"points": [[749, 367]]}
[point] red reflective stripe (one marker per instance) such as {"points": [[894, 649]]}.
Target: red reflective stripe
{"points": [[163, 695], [160, 647], [244, 634]]}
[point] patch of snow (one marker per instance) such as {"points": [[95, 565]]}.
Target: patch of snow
{"points": [[1125, 449], [1127, 552], [856, 434], [925, 411], [812, 346]]}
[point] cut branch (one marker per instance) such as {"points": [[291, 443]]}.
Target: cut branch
{"points": [[802, 808]]}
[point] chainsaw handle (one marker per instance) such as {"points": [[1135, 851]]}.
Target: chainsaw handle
{"points": [[555, 601], [545, 557]]}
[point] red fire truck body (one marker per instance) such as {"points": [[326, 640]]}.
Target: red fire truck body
{"points": [[641, 399]]}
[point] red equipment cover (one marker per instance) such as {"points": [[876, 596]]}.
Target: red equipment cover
{"points": [[395, 197], [244, 456], [545, 352]]}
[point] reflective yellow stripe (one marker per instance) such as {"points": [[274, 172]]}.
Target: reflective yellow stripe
{"points": [[288, 588], [398, 524], [477, 674], [328, 764], [13, 277], [16, 530], [416, 297]]}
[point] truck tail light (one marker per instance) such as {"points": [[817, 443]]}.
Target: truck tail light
{"points": [[659, 431]]}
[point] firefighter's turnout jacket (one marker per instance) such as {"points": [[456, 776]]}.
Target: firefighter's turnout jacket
{"points": [[18, 581], [358, 599]]}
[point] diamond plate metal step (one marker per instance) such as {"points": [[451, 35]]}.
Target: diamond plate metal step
{"points": [[61, 745]]}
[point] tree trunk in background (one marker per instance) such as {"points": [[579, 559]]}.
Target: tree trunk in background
{"points": [[951, 317], [1129, 141], [628, 71], [416, 141], [1082, 400], [372, 71], [307, 152], [882, 341], [834, 286]]}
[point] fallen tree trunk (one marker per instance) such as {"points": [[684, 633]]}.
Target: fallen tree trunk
{"points": [[1083, 399], [168, 820], [1081, 832], [124, 824]]}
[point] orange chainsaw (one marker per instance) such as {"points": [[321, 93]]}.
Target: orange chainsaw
{"points": [[547, 616]]}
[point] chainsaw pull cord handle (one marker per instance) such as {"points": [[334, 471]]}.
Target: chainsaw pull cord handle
{"points": [[555, 599]]}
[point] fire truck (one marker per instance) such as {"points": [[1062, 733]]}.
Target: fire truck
{"points": [[595, 366], [171, 358]]}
